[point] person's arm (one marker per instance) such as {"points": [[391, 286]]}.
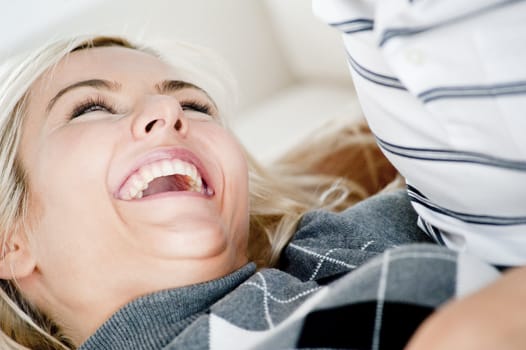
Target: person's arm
{"points": [[450, 76], [492, 318]]}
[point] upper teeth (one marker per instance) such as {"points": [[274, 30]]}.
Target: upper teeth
{"points": [[138, 182]]}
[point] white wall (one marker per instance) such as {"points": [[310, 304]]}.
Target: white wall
{"points": [[313, 50], [290, 66], [239, 30]]}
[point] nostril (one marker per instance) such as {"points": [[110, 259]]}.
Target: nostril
{"points": [[150, 125], [178, 125]]}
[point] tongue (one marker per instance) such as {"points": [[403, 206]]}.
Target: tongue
{"points": [[167, 184]]}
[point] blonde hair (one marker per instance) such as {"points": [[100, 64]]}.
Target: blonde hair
{"points": [[339, 165], [279, 195]]}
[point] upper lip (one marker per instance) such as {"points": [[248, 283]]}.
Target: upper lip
{"points": [[166, 153]]}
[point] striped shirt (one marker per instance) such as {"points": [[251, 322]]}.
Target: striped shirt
{"points": [[443, 87]]}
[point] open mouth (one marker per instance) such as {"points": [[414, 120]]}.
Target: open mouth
{"points": [[174, 175]]}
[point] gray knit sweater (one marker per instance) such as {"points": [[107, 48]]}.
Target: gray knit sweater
{"points": [[313, 300]]}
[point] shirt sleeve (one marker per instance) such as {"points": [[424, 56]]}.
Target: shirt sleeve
{"points": [[442, 85], [432, 44]]}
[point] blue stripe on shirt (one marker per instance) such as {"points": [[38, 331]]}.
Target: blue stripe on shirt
{"points": [[415, 196], [374, 77], [441, 155], [471, 91], [390, 33], [431, 231], [354, 25]]}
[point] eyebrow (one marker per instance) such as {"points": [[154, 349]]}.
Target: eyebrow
{"points": [[174, 85], [100, 84], [167, 86], [164, 87]]}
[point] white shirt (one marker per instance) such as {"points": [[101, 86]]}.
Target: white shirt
{"points": [[443, 87]]}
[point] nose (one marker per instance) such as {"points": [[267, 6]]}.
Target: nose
{"points": [[159, 114]]}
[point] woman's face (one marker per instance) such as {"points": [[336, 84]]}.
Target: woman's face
{"points": [[136, 184]]}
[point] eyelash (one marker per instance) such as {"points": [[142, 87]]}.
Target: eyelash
{"points": [[100, 104], [91, 105], [196, 106]]}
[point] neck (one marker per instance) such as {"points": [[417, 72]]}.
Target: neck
{"points": [[153, 320]]}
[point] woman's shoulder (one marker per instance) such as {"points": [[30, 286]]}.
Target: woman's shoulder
{"points": [[387, 216], [328, 243]]}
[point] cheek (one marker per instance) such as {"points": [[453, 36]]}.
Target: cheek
{"points": [[237, 203], [85, 150], [230, 157], [228, 153], [71, 165], [68, 182], [236, 181]]}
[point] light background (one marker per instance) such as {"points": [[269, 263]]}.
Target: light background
{"points": [[290, 67]]}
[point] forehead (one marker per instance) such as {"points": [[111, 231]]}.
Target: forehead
{"points": [[113, 63]]}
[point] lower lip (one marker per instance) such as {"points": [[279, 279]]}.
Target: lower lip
{"points": [[172, 194]]}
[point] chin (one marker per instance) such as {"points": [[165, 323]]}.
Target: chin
{"points": [[187, 243], [201, 267]]}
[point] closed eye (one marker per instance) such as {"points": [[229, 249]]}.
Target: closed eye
{"points": [[91, 105], [197, 106], [99, 104]]}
